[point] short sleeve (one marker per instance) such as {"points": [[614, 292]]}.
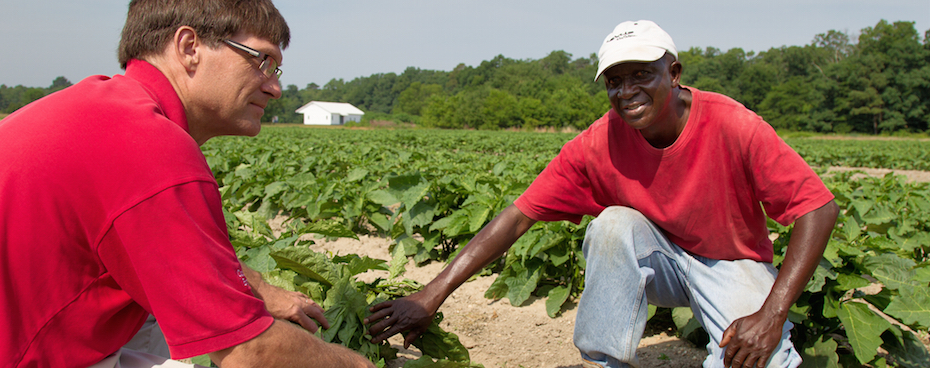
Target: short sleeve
{"points": [[785, 184], [562, 191], [171, 254]]}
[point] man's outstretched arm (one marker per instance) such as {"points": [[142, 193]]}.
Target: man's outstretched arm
{"points": [[415, 312], [751, 340]]}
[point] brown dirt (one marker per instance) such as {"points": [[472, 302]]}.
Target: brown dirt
{"points": [[500, 335]]}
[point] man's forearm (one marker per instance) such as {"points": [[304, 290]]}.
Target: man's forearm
{"points": [[489, 244], [284, 345], [805, 250]]}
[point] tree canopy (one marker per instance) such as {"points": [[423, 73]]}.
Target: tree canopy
{"points": [[878, 83]]}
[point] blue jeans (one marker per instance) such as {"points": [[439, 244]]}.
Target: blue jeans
{"points": [[631, 264]]}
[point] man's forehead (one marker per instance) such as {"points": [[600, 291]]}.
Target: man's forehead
{"points": [[635, 65]]}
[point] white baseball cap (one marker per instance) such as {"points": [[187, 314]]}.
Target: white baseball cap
{"points": [[641, 40]]}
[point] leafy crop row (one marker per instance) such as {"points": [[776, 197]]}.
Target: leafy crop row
{"points": [[431, 191]]}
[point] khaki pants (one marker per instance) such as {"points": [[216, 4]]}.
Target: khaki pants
{"points": [[147, 349]]}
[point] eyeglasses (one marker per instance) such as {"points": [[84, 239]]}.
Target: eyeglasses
{"points": [[269, 65]]}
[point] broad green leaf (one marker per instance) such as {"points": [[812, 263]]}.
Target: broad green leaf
{"points": [[427, 362], [557, 296], [912, 242], [420, 215], [281, 278], [398, 261], [922, 275], [891, 270], [821, 274], [851, 229], [329, 229], [499, 288], [436, 343], [848, 282], [908, 351], [821, 355], [203, 360], [307, 263], [356, 174], [457, 222], [275, 188], [688, 327], [558, 255], [259, 259], [409, 189], [381, 221], [478, 216], [862, 206], [383, 198], [863, 328], [911, 306], [342, 304], [521, 286], [358, 264]]}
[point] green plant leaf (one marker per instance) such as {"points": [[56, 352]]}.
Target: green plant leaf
{"points": [[329, 229], [521, 286], [398, 261], [439, 344], [908, 351], [557, 296], [259, 259], [863, 328], [383, 198], [688, 327], [911, 306], [356, 174], [891, 270], [307, 263], [821, 355], [427, 362]]}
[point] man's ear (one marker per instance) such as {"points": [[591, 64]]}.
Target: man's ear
{"points": [[185, 48], [674, 70]]}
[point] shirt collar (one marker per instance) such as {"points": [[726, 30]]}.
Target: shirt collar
{"points": [[161, 89]]}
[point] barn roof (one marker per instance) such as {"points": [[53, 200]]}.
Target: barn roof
{"points": [[340, 108]]}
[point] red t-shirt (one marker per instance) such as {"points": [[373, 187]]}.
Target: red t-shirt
{"points": [[704, 191], [109, 212]]}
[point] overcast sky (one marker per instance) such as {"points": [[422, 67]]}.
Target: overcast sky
{"points": [[43, 39]]}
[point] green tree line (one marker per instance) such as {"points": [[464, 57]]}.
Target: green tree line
{"points": [[877, 83], [12, 98]]}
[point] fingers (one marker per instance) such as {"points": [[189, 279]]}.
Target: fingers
{"points": [[381, 306], [382, 312], [317, 313], [411, 336], [306, 322], [727, 335]]}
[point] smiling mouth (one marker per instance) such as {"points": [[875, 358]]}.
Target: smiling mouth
{"points": [[634, 108]]}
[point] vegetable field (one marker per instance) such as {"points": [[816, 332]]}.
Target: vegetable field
{"points": [[431, 191]]}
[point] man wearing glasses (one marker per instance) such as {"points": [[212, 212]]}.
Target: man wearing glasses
{"points": [[109, 212]]}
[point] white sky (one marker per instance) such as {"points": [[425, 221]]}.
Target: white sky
{"points": [[43, 39]]}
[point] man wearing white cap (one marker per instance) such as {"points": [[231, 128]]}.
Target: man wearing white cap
{"points": [[680, 182]]}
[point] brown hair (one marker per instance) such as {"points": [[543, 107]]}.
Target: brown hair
{"points": [[150, 24]]}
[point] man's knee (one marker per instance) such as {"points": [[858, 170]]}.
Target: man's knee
{"points": [[617, 218]]}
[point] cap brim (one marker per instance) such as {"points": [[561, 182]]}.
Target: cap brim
{"points": [[641, 53]]}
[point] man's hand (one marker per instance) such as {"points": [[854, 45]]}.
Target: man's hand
{"points": [[750, 340], [293, 306], [283, 304], [409, 313]]}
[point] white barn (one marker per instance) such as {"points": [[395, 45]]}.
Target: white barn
{"points": [[329, 113]]}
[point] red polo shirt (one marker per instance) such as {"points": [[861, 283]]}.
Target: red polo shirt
{"points": [[109, 212]]}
